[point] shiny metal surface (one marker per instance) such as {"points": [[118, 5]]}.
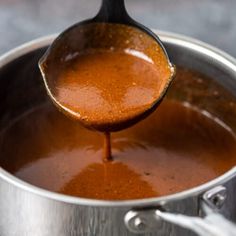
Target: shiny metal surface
{"points": [[215, 198], [212, 224], [29, 210]]}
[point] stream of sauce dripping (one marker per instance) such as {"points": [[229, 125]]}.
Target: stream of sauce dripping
{"points": [[107, 147], [105, 89]]}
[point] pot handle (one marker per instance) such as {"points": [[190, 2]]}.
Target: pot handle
{"points": [[213, 224]]}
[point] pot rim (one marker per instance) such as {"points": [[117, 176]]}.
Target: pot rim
{"points": [[166, 37]]}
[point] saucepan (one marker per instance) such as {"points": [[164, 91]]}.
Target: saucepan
{"points": [[28, 210]]}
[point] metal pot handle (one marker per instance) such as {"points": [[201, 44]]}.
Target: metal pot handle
{"points": [[213, 224]]}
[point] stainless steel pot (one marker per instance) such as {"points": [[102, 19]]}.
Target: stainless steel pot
{"points": [[28, 210]]}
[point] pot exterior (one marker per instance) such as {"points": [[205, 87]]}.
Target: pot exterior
{"points": [[25, 212]]}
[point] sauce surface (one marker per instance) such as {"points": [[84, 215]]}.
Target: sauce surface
{"points": [[108, 89], [176, 148]]}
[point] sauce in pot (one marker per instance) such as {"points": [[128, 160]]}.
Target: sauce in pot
{"points": [[176, 148]]}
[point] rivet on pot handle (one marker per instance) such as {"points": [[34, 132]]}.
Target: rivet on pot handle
{"points": [[213, 224], [215, 197]]}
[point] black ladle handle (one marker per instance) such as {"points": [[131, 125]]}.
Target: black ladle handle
{"points": [[113, 11]]}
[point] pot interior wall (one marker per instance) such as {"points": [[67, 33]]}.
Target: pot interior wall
{"points": [[21, 87], [219, 101]]}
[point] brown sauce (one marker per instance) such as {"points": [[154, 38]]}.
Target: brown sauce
{"points": [[114, 77], [108, 90], [109, 87], [176, 148]]}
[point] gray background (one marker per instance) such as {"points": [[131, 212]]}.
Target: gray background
{"points": [[213, 21]]}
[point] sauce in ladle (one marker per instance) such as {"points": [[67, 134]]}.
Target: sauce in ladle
{"points": [[110, 90]]}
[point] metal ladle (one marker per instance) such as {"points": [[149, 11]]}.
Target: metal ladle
{"points": [[111, 28]]}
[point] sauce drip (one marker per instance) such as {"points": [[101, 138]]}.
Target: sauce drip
{"points": [[107, 147], [109, 90], [107, 76]]}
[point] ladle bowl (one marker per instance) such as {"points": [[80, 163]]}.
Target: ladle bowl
{"points": [[111, 29]]}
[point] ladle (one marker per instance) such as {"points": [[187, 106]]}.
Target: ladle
{"points": [[111, 28]]}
